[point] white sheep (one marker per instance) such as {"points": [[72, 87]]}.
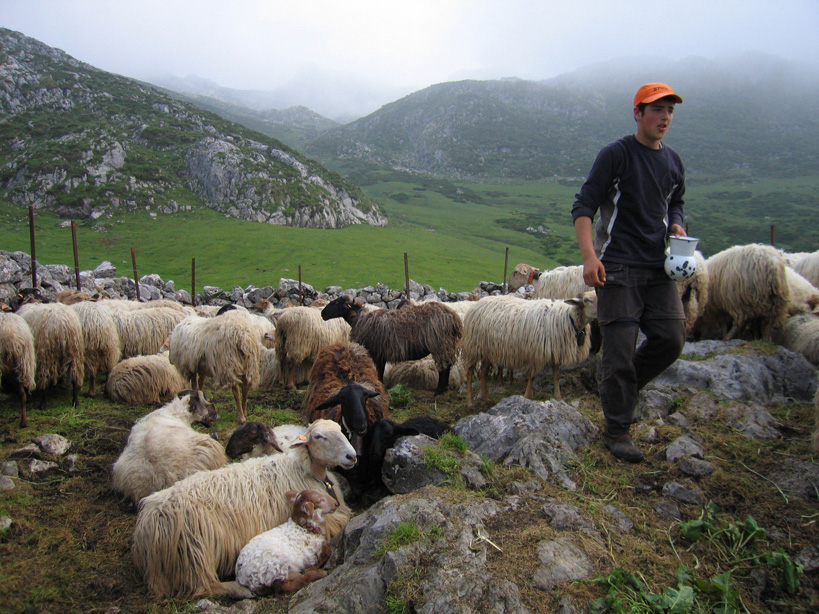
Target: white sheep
{"points": [[694, 293], [270, 371], [300, 335], [162, 448], [560, 282], [800, 333], [804, 296], [422, 374], [514, 333], [17, 356], [225, 348], [58, 346], [142, 331], [189, 535], [807, 265], [141, 380], [748, 293], [101, 340], [288, 556]]}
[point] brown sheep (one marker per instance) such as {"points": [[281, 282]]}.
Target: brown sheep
{"points": [[344, 387], [397, 335]]}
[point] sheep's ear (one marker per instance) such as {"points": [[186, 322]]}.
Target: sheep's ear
{"points": [[575, 302], [270, 437], [332, 401], [301, 440], [370, 394], [291, 496]]}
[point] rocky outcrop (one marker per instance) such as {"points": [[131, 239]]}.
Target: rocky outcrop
{"points": [[89, 144]]}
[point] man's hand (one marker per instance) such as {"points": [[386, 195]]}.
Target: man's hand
{"points": [[594, 273], [677, 231]]}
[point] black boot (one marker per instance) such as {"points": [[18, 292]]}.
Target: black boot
{"points": [[622, 447]]}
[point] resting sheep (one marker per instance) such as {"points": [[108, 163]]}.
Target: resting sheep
{"points": [[800, 333], [748, 293], [300, 334], [514, 333], [190, 534], [254, 439], [422, 374], [803, 296], [162, 448], [17, 357], [225, 348], [288, 556], [397, 335], [58, 346], [142, 380], [344, 387], [807, 265], [100, 338], [270, 371]]}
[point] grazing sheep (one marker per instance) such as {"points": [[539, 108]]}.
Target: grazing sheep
{"points": [[142, 380], [124, 305], [71, 297], [288, 556], [344, 387], [101, 340], [162, 447], [300, 334], [800, 333], [190, 534], [142, 331], [748, 293], [560, 282], [270, 372], [807, 265], [58, 346], [513, 333], [225, 348], [17, 357], [409, 333], [694, 293]]}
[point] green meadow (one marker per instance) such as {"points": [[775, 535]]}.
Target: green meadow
{"points": [[455, 235]]}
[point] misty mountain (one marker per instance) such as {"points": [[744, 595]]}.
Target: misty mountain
{"points": [[745, 116], [87, 143]]}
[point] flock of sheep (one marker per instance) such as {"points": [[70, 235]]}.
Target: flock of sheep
{"points": [[267, 520]]}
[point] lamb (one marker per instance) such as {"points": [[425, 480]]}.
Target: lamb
{"points": [[254, 439], [225, 348], [522, 275], [747, 292], [513, 333], [142, 331], [344, 386], [422, 374], [58, 346], [190, 534], [142, 380], [101, 340], [162, 447], [288, 556], [403, 334], [17, 357], [300, 334]]}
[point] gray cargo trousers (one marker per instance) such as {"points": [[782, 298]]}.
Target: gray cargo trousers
{"points": [[634, 299]]}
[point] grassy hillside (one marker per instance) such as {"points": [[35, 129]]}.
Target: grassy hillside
{"points": [[455, 235]]}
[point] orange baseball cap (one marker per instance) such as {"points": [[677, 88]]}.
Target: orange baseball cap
{"points": [[654, 91]]}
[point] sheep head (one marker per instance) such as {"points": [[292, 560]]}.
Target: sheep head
{"points": [[309, 507], [327, 446], [342, 307], [201, 410], [248, 436], [353, 400]]}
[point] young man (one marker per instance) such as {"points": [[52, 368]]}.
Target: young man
{"points": [[637, 184]]}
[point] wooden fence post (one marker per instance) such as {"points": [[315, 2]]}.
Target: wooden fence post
{"points": [[505, 269], [33, 247], [76, 257], [406, 275], [773, 235], [301, 293], [193, 278], [136, 279]]}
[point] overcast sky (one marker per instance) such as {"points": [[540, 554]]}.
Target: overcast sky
{"points": [[403, 44]]}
